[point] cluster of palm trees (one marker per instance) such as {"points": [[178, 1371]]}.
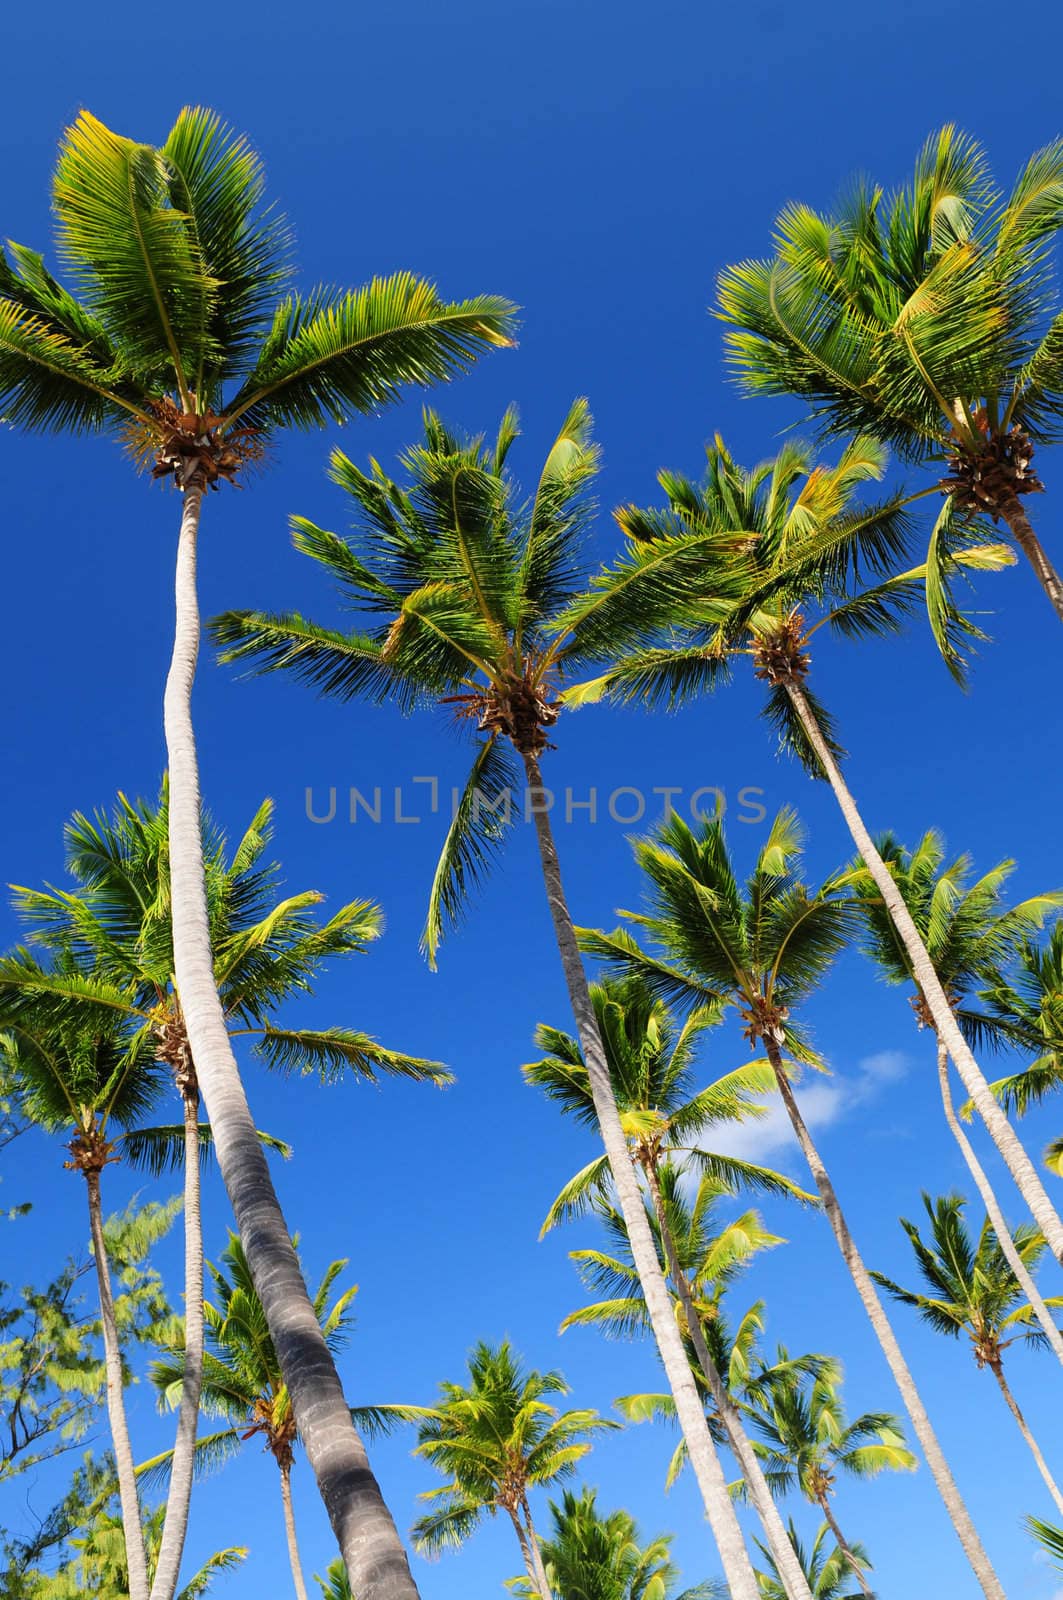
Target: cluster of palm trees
{"points": [[921, 322]]}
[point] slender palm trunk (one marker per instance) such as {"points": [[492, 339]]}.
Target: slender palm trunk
{"points": [[865, 1288], [1022, 532], [136, 1562], [992, 1205], [365, 1532], [289, 1531], [997, 1369], [791, 1574], [541, 1581], [175, 1526], [531, 1567], [1002, 1133], [706, 1463], [851, 1561]]}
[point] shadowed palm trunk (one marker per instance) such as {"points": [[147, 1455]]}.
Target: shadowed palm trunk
{"points": [[703, 1457], [993, 1211], [791, 1574], [289, 1531], [539, 1578], [175, 1526], [1022, 532], [997, 1369], [865, 1288], [125, 1470], [365, 1532], [850, 1560], [1002, 1133]]}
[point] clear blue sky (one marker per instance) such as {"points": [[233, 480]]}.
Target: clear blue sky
{"points": [[597, 163]]}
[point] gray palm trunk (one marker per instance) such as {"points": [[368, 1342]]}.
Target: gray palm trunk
{"points": [[178, 1500], [364, 1529], [1002, 1133], [791, 1573], [703, 1457], [1021, 530], [993, 1211], [865, 1288], [997, 1369], [132, 1531], [289, 1531], [823, 1501], [538, 1570]]}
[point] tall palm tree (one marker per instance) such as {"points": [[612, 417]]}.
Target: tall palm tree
{"points": [[970, 934], [806, 1439], [928, 318], [242, 1377], [116, 925], [798, 544], [190, 342], [763, 947], [461, 580], [828, 1572], [496, 1439], [973, 1290], [651, 1065], [591, 1555], [91, 1082]]}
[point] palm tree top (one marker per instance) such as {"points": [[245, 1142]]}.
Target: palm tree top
{"points": [[828, 1572], [969, 1286], [185, 333], [927, 317]]}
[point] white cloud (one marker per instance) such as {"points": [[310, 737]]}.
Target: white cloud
{"points": [[823, 1101]]}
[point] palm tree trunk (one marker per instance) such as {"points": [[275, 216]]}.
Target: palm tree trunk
{"points": [[706, 1463], [992, 1205], [865, 1288], [365, 1532], [132, 1531], [541, 1581], [530, 1565], [1021, 530], [289, 1530], [178, 1500], [997, 1369], [851, 1561], [1002, 1133], [791, 1573]]}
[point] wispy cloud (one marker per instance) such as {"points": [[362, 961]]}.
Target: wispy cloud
{"points": [[823, 1102]]}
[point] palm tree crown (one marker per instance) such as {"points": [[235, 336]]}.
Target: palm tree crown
{"points": [[828, 1572]]}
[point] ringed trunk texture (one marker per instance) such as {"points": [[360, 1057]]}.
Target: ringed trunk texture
{"points": [[865, 1288], [854, 1566], [289, 1531], [997, 1369], [993, 1211], [132, 1532], [175, 1527], [947, 1028], [1021, 530], [365, 1532], [539, 1578], [791, 1573], [706, 1463]]}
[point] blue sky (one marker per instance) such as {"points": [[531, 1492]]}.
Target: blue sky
{"points": [[598, 164]]}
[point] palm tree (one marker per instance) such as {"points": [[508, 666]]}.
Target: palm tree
{"points": [[974, 1291], [763, 948], [462, 579], [589, 1555], [806, 1439], [242, 1377], [927, 318], [496, 1439], [969, 935], [1024, 1005], [801, 544], [190, 342], [335, 1585], [99, 1567], [828, 1572], [90, 1081], [116, 926], [650, 1062]]}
